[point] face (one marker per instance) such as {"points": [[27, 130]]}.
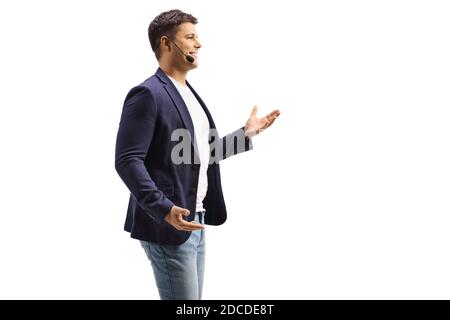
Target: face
{"points": [[187, 40]]}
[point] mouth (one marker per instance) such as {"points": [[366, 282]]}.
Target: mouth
{"points": [[194, 54]]}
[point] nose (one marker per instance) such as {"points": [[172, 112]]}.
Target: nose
{"points": [[198, 44]]}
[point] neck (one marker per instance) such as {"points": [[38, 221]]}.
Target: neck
{"points": [[175, 73]]}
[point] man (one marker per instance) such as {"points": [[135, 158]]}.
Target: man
{"points": [[171, 200]]}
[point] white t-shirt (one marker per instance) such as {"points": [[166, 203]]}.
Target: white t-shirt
{"points": [[201, 129]]}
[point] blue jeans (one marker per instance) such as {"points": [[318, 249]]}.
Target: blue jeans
{"points": [[179, 269]]}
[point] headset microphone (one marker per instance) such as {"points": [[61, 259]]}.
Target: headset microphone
{"points": [[189, 58]]}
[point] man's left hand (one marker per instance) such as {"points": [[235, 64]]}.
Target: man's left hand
{"points": [[256, 125]]}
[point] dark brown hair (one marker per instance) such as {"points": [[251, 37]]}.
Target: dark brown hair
{"points": [[165, 24]]}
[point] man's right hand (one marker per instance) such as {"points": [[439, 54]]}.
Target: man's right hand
{"points": [[175, 218]]}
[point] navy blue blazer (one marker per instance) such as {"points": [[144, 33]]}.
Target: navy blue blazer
{"points": [[151, 112]]}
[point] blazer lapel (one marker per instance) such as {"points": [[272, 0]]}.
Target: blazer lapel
{"points": [[212, 125], [208, 115], [181, 107]]}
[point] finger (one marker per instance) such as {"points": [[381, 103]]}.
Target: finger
{"points": [[273, 113], [183, 228], [269, 123], [254, 111], [190, 226], [182, 212], [274, 116]]}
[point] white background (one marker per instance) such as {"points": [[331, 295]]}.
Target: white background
{"points": [[346, 196]]}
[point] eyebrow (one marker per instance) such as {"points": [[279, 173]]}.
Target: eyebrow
{"points": [[190, 34]]}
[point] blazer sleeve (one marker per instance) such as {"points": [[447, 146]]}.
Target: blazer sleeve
{"points": [[229, 145], [136, 129]]}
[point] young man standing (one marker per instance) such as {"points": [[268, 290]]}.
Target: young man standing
{"points": [[171, 200]]}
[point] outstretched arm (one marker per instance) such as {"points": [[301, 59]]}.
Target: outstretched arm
{"points": [[240, 140]]}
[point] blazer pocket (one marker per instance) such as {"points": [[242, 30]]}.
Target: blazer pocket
{"points": [[167, 190]]}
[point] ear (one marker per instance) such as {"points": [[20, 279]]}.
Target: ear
{"points": [[165, 42]]}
